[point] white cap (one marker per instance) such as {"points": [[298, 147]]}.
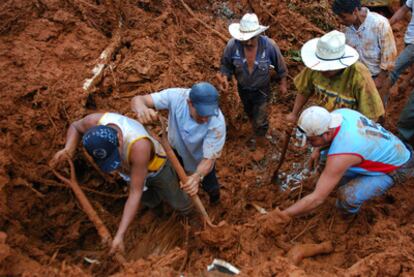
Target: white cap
{"points": [[315, 121]]}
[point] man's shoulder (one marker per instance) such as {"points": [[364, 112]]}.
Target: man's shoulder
{"points": [[359, 69]]}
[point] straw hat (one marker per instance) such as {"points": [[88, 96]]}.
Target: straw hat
{"points": [[328, 52], [247, 28]]}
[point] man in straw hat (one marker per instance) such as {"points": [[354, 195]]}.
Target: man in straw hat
{"points": [[364, 159], [253, 58], [117, 143], [334, 74]]}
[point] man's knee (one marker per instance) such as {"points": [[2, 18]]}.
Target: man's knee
{"points": [[347, 200], [260, 121]]}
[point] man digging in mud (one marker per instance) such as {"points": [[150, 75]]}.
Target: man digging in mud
{"points": [[118, 143], [251, 58], [196, 131], [334, 74], [364, 159]]}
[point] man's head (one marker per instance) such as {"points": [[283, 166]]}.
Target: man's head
{"points": [[203, 102], [101, 143], [347, 11], [328, 53], [318, 125], [248, 28]]}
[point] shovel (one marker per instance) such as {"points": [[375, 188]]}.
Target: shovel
{"points": [[180, 171]]}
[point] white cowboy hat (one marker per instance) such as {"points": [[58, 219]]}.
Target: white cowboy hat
{"points": [[247, 28], [328, 52]]}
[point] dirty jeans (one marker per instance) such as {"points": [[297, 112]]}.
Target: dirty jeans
{"points": [[165, 186], [255, 106], [355, 189], [405, 123], [404, 60]]}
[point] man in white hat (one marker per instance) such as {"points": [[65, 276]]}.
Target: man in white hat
{"points": [[334, 74], [252, 57], [371, 35], [364, 159]]}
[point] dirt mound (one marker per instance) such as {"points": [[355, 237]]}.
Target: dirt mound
{"points": [[48, 50]]}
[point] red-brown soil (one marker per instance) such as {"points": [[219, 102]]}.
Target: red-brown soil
{"points": [[47, 50]]}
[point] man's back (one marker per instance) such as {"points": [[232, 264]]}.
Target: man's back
{"points": [[380, 150]]}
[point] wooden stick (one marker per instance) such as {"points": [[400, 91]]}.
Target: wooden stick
{"points": [[87, 207], [282, 155], [298, 252], [180, 171]]}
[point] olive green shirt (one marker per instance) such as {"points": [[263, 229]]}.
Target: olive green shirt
{"points": [[354, 88]]}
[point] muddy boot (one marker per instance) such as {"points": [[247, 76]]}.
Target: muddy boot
{"points": [[251, 144]]}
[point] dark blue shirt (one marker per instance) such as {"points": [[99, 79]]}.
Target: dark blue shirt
{"points": [[268, 56]]}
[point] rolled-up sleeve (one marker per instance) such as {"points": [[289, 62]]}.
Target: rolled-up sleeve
{"points": [[162, 99], [226, 65], [277, 60], [214, 141], [304, 83], [388, 48]]}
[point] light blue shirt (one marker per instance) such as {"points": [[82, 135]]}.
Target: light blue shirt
{"points": [[193, 141], [409, 34]]}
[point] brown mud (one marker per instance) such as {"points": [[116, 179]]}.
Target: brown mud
{"points": [[48, 49]]}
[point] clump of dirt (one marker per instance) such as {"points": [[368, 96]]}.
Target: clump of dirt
{"points": [[49, 49]]}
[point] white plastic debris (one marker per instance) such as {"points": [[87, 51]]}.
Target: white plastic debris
{"points": [[223, 267], [91, 261]]}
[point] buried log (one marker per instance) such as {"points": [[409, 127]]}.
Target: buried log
{"points": [[180, 172], [299, 252], [88, 209]]}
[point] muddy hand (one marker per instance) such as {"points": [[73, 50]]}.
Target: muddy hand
{"points": [[223, 82], [117, 245], [147, 116], [274, 222], [60, 156], [291, 119], [192, 184]]}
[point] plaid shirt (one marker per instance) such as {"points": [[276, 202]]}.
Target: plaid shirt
{"points": [[374, 41]]}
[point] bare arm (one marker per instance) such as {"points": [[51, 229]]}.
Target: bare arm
{"points": [[300, 101], [144, 107], [140, 157], [399, 14], [194, 180], [73, 136], [333, 172], [283, 85]]}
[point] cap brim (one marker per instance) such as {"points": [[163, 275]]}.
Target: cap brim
{"points": [[206, 109], [311, 61], [111, 163], [336, 120], [234, 30]]}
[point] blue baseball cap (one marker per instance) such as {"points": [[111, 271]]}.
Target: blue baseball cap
{"points": [[205, 99], [101, 143]]}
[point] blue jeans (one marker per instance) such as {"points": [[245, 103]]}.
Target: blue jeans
{"points": [[404, 60], [355, 189]]}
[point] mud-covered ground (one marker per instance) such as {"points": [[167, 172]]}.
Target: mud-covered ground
{"points": [[48, 49]]}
